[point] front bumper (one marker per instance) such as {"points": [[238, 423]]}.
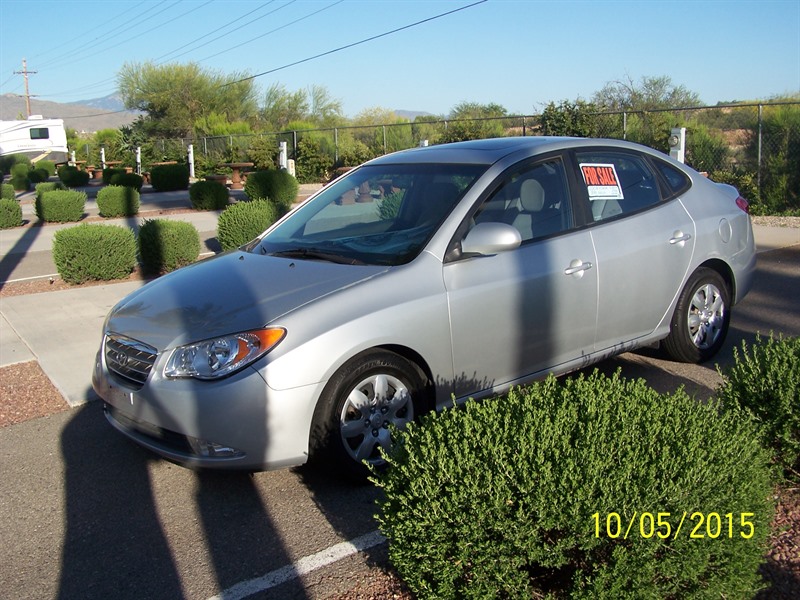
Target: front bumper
{"points": [[238, 422]]}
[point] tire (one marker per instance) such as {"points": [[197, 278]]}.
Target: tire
{"points": [[700, 322], [362, 400]]}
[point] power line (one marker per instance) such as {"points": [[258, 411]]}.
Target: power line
{"points": [[364, 41]]}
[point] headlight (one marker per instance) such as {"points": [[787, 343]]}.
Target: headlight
{"points": [[220, 356]]}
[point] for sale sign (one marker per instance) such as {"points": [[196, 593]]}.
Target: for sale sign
{"points": [[601, 181]]}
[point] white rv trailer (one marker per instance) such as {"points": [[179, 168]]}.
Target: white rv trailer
{"points": [[37, 137]]}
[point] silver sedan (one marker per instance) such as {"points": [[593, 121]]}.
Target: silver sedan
{"points": [[451, 271]]}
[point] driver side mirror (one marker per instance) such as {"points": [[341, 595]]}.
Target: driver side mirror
{"points": [[490, 238]]}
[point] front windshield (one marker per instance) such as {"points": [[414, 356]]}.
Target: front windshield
{"points": [[377, 215]]}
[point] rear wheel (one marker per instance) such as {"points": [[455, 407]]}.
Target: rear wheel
{"points": [[360, 404], [701, 318]]}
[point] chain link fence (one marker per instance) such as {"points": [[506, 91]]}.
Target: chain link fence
{"points": [[755, 147]]}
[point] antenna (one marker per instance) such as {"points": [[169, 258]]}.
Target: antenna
{"points": [[25, 74]]}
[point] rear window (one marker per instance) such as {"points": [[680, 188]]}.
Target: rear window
{"points": [[40, 133]]}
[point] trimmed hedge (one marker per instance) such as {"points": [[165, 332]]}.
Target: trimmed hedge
{"points": [[10, 213], [118, 201], [166, 245], [8, 192], [208, 195], [275, 185], [38, 175], [109, 172], [94, 253], [60, 206], [532, 495], [169, 178], [19, 177], [243, 222], [131, 180], [48, 186], [765, 381], [48, 165], [8, 161], [72, 176]]}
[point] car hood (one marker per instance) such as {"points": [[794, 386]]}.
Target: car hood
{"points": [[233, 292]]}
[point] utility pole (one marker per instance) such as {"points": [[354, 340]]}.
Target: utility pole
{"points": [[25, 74]]}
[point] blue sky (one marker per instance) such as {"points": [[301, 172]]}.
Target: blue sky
{"points": [[521, 54]]}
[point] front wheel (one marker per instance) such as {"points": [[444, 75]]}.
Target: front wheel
{"points": [[361, 403], [701, 318]]}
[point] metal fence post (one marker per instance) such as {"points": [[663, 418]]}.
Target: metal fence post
{"points": [[335, 145], [758, 170]]}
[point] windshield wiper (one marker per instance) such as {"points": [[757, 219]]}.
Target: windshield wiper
{"points": [[314, 254]]}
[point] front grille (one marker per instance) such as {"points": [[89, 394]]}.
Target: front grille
{"points": [[129, 359]]}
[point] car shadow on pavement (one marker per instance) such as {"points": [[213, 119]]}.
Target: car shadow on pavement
{"points": [[140, 527]]}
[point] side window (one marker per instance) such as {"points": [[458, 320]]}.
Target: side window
{"points": [[535, 201], [617, 183], [40, 133], [677, 181]]}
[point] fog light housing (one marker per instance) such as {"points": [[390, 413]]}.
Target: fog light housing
{"points": [[207, 449]]}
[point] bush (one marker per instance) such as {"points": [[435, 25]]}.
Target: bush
{"points": [[94, 253], [208, 195], [38, 175], [243, 222], [511, 497], [8, 192], [275, 185], [167, 245], [168, 178], [19, 177], [72, 176], [48, 186], [8, 161], [109, 172], [10, 213], [60, 206], [131, 180], [765, 380], [118, 201], [48, 165]]}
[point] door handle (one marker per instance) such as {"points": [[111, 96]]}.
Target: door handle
{"points": [[577, 267], [679, 237]]}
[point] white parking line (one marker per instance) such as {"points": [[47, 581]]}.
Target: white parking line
{"points": [[303, 566]]}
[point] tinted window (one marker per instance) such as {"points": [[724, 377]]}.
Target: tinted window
{"points": [[534, 201], [40, 133], [617, 183], [677, 181]]}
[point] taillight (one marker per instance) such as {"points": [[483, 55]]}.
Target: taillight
{"points": [[743, 204]]}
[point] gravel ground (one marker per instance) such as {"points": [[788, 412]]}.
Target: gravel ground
{"points": [[27, 393]]}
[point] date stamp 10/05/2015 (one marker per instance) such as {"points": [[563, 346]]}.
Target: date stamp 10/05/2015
{"points": [[667, 525]]}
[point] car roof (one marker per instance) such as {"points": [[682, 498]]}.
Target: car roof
{"points": [[488, 151]]}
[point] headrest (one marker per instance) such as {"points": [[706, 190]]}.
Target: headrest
{"points": [[531, 196]]}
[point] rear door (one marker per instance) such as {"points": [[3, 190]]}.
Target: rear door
{"points": [[644, 243]]}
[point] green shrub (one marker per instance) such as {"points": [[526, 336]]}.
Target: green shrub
{"points": [[167, 245], [10, 213], [515, 497], [118, 201], [109, 172], [765, 380], [72, 176], [19, 177], [168, 178], [208, 195], [8, 192], [131, 180], [8, 161], [47, 165], [38, 175], [48, 186], [94, 253], [275, 185], [243, 222], [60, 206]]}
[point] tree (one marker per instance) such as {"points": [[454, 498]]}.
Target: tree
{"points": [[650, 94], [324, 110], [282, 107], [176, 97], [474, 121], [578, 119]]}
